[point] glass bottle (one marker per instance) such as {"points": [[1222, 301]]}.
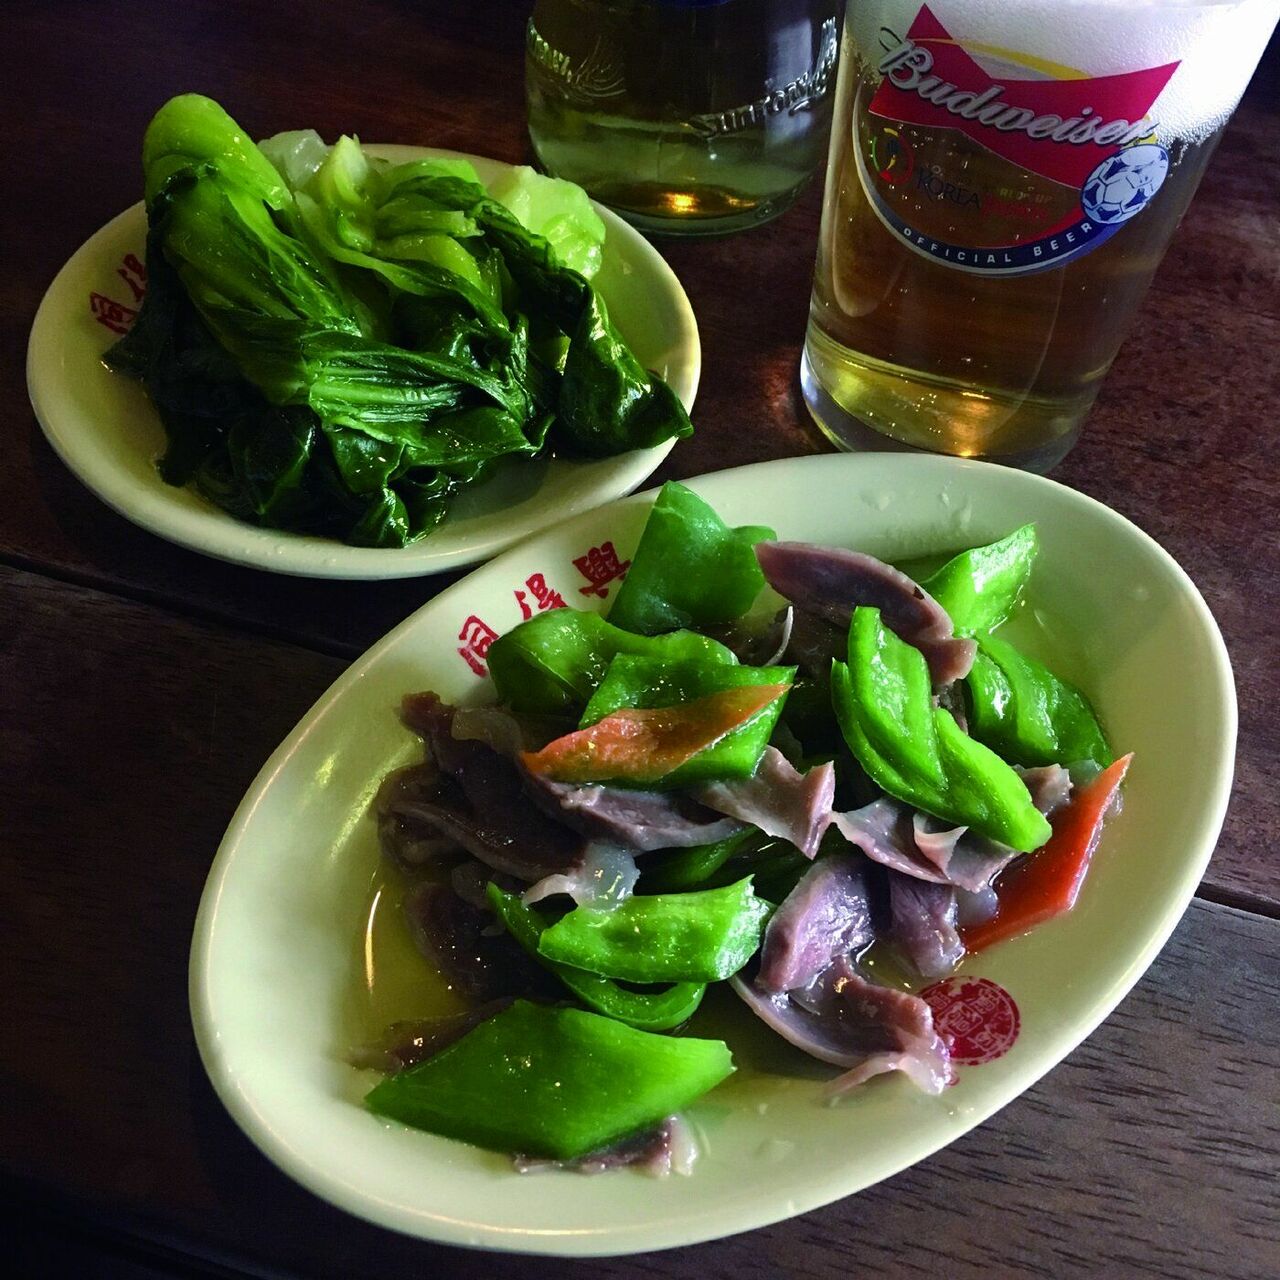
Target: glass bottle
{"points": [[688, 117]]}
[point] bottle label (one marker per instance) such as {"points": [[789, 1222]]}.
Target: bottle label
{"points": [[1006, 166], [586, 81], [804, 93]]}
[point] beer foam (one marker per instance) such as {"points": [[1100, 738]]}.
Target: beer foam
{"points": [[1216, 42]]}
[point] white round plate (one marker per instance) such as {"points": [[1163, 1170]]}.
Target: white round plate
{"points": [[104, 428], [276, 943]]}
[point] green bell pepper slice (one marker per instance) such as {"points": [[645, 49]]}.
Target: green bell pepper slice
{"points": [[552, 1082], [636, 680], [899, 745], [775, 867], [552, 664], [674, 937], [674, 870], [650, 1011], [690, 569], [980, 587], [895, 698], [1019, 708]]}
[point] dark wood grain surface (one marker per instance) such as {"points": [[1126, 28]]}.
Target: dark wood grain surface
{"points": [[142, 686]]}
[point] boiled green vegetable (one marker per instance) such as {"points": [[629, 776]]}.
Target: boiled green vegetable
{"points": [[554, 662], [641, 680], [415, 331]]}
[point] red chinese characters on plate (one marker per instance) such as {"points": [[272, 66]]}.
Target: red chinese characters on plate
{"points": [[132, 271], [600, 566], [544, 597], [978, 1018], [114, 315], [476, 636]]}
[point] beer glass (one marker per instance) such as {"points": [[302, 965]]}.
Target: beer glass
{"points": [[1004, 177]]}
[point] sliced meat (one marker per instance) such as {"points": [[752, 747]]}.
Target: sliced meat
{"points": [[885, 832], [778, 799], [505, 832], [976, 861], [505, 731], [843, 1019], [479, 803], [1050, 787], [408, 843], [970, 861], [831, 583], [641, 820], [814, 643], [977, 907], [606, 877], [405, 1044], [917, 845], [756, 642], [923, 924], [964, 858], [478, 964], [827, 915], [669, 1148]]}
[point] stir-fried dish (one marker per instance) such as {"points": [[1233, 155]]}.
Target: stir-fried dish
{"points": [[768, 759]]}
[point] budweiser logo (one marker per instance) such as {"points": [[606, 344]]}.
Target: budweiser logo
{"points": [[929, 79]]}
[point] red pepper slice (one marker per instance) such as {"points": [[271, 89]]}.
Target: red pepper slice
{"points": [[1047, 883], [643, 745]]}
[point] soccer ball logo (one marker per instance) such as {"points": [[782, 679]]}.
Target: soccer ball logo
{"points": [[1122, 184]]}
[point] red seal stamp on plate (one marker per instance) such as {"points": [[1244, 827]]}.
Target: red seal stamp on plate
{"points": [[975, 1016]]}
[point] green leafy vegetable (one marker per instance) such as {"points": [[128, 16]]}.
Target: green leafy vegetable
{"points": [[551, 1082], [690, 569], [557, 210], [411, 328]]}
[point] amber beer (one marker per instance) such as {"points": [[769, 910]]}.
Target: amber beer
{"points": [[1004, 177]]}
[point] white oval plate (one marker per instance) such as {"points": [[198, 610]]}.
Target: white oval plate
{"points": [[104, 428], [276, 939]]}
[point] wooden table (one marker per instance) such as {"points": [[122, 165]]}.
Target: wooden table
{"points": [[143, 687]]}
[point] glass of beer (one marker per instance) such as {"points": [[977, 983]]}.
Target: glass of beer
{"points": [[1004, 178]]}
